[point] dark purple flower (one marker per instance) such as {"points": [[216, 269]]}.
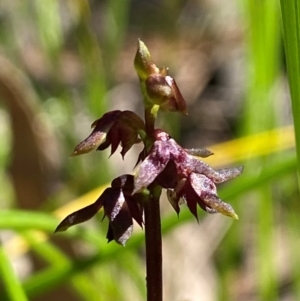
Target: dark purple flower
{"points": [[184, 176], [112, 129], [120, 207]]}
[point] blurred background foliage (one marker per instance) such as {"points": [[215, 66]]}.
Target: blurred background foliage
{"points": [[65, 63]]}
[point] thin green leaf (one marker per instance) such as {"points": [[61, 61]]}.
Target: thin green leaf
{"points": [[23, 220], [81, 283], [290, 11], [13, 286]]}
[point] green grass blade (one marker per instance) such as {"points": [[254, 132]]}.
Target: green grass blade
{"points": [[290, 10], [81, 283], [293, 248], [263, 65], [13, 287], [134, 266], [263, 36], [23, 220], [49, 25], [116, 23]]}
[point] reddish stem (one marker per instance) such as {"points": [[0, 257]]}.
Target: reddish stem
{"points": [[153, 247]]}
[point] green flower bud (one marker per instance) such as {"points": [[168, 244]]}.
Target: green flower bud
{"points": [[143, 63]]}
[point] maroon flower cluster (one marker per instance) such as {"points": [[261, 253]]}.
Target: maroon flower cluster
{"points": [[164, 163], [185, 177]]}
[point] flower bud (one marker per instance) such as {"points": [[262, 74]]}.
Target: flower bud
{"points": [[158, 89], [143, 63]]}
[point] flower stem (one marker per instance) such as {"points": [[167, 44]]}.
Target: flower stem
{"points": [[153, 246], [150, 117]]}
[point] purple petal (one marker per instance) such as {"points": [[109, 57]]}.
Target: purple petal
{"points": [[152, 166], [81, 215], [98, 136], [217, 176], [95, 139], [168, 178], [176, 102], [216, 203], [202, 184], [199, 152], [191, 200], [207, 193], [124, 182], [226, 174], [110, 233], [173, 199], [135, 209], [119, 216]]}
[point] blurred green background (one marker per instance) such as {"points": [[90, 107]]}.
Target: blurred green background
{"points": [[62, 65]]}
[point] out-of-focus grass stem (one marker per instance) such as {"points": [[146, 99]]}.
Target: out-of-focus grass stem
{"points": [[290, 11]]}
